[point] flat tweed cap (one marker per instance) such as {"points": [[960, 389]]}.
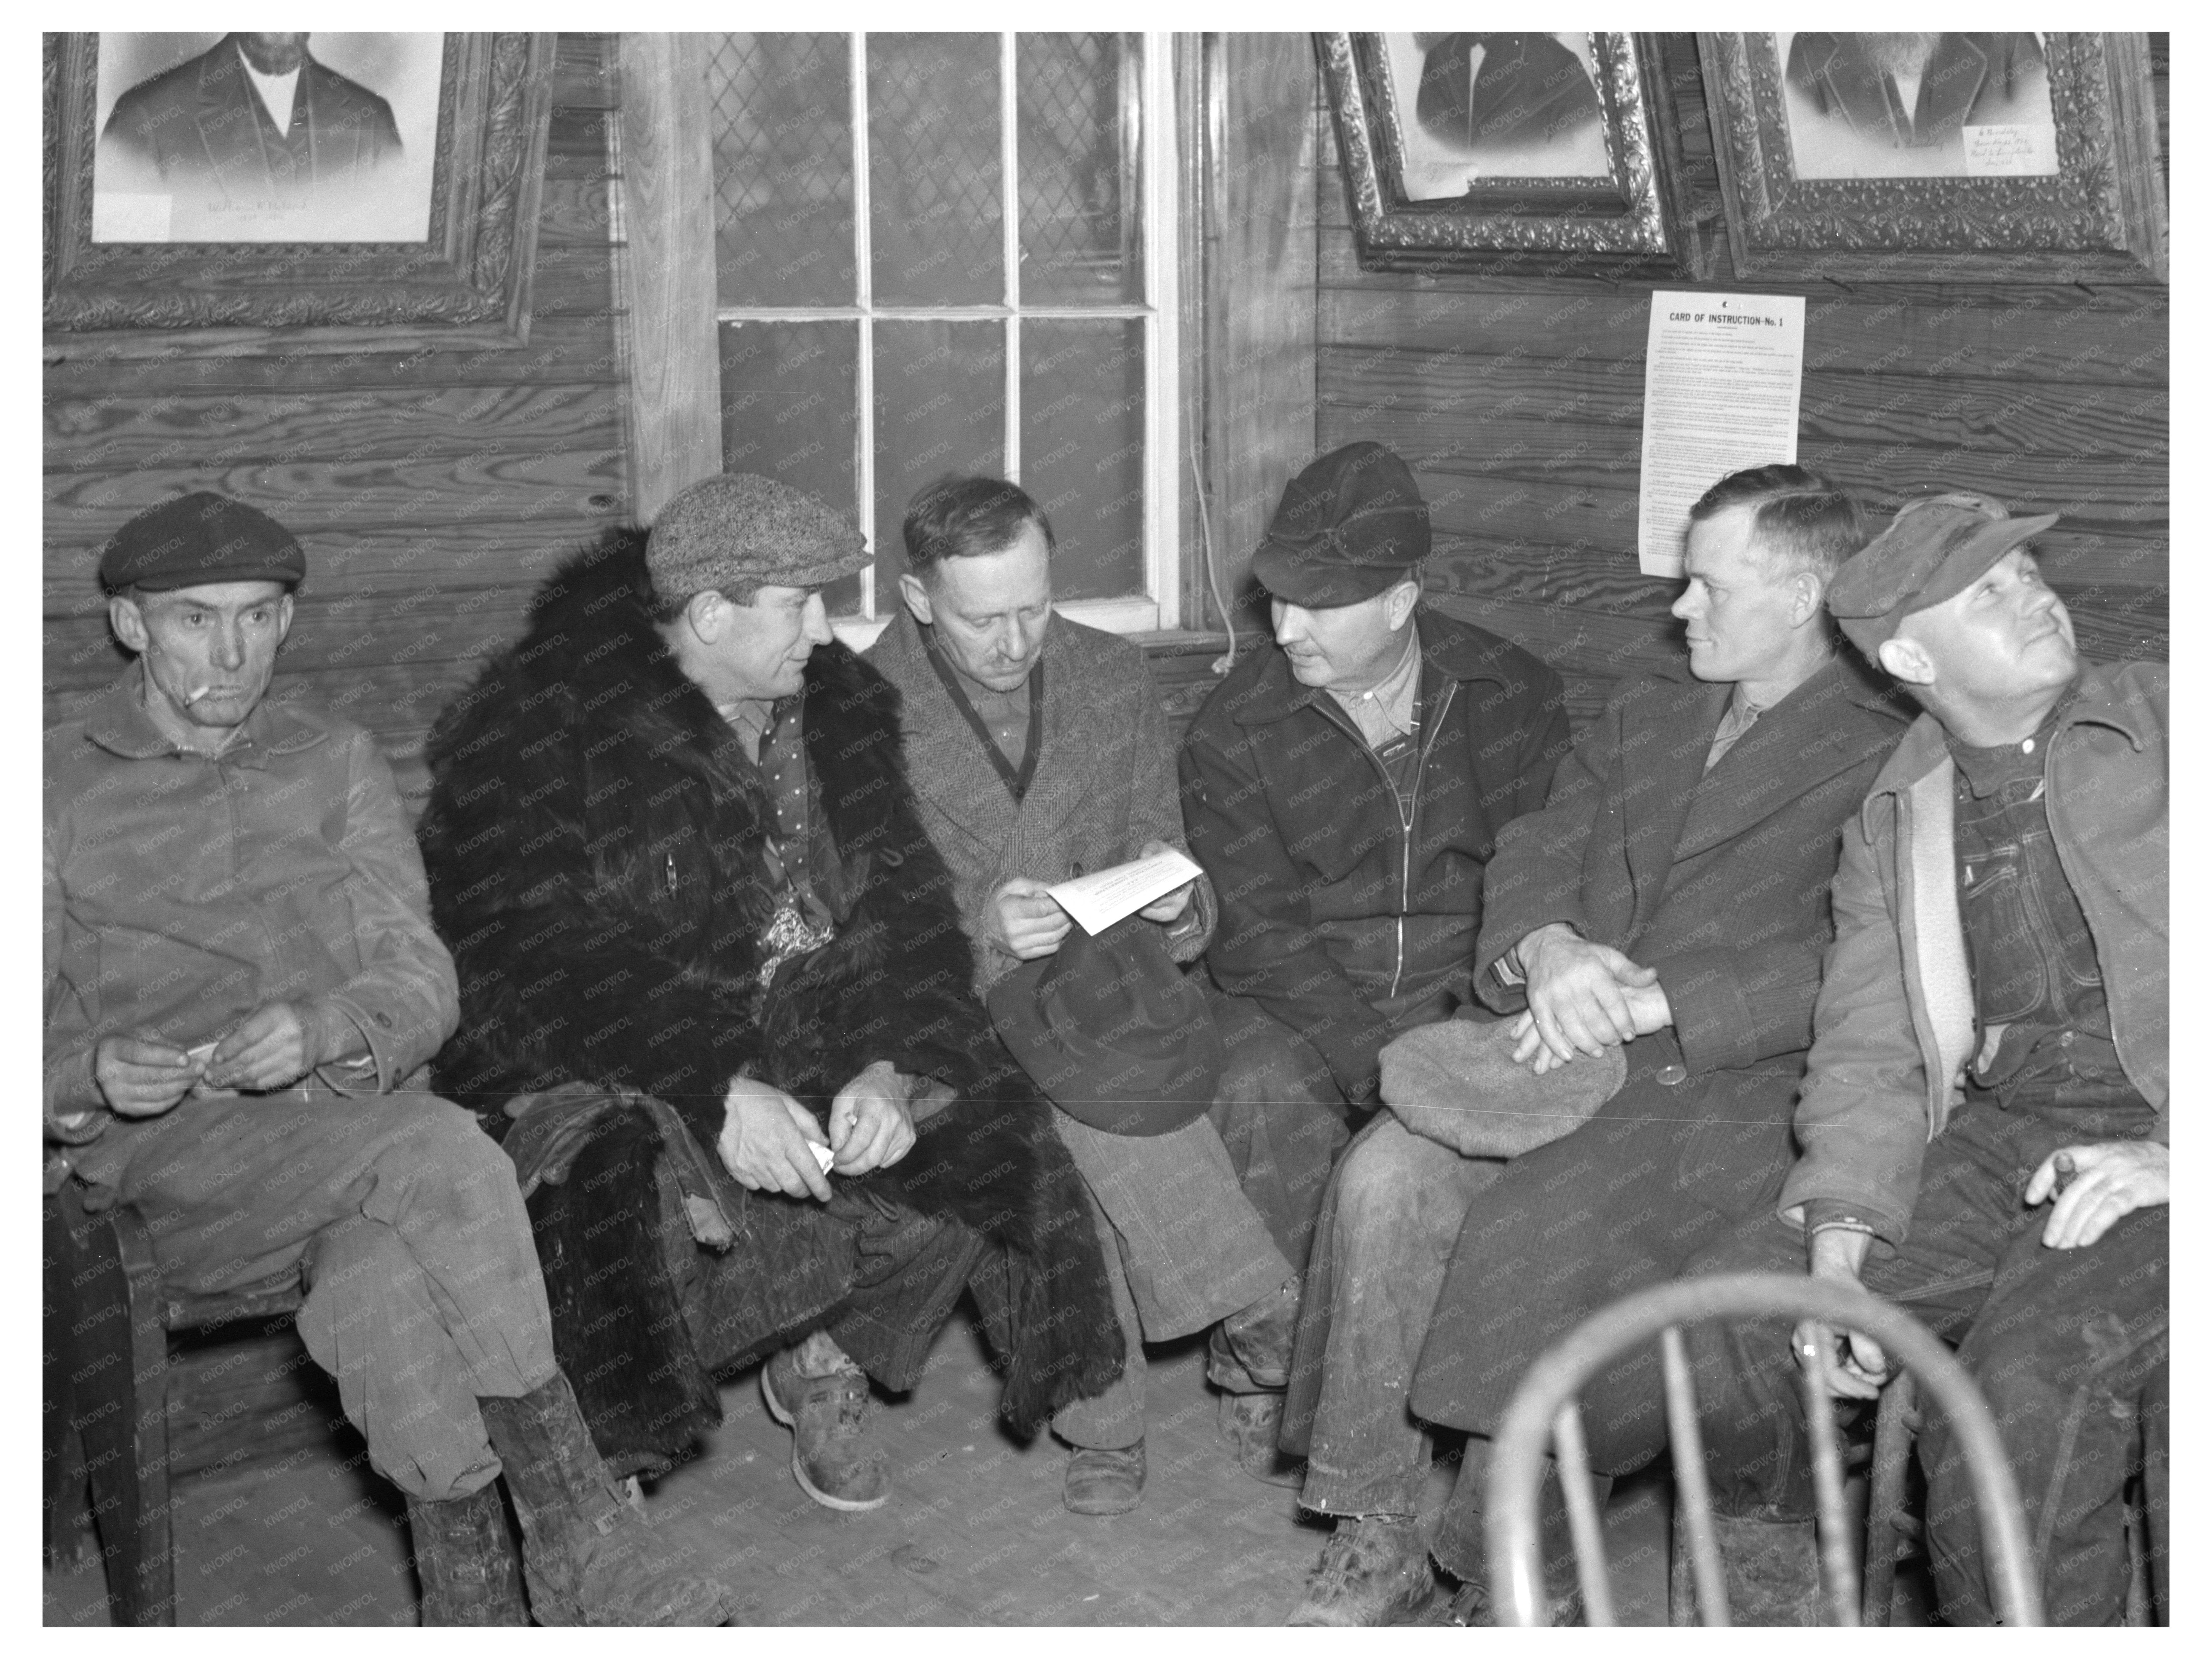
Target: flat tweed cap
{"points": [[1353, 524], [197, 540], [737, 532], [1933, 549], [1456, 1082]]}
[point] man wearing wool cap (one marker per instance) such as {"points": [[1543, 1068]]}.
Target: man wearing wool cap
{"points": [[1983, 1121], [716, 1004]]}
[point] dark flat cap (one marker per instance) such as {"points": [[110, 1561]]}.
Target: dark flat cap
{"points": [[200, 538], [1933, 549], [1353, 524], [737, 531]]}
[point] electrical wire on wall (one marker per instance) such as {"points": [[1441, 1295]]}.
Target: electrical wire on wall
{"points": [[1227, 659]]}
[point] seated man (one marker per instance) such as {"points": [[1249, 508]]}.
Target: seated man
{"points": [[1985, 1122], [670, 840], [1039, 752], [1344, 788], [241, 986], [1662, 917]]}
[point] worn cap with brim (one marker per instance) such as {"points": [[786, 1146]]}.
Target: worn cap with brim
{"points": [[1115, 1034], [1350, 526], [198, 539], [1933, 549], [737, 532]]}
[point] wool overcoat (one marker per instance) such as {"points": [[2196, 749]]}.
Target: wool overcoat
{"points": [[596, 841], [1720, 881]]}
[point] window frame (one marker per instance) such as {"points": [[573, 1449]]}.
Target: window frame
{"points": [[1159, 606]]}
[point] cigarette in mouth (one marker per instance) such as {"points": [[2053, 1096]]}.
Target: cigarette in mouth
{"points": [[195, 694]]}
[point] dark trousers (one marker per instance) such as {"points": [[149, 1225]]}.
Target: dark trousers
{"points": [[2068, 1346]]}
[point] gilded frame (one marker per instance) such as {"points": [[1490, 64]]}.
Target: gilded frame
{"points": [[2100, 218], [467, 287], [1635, 223]]}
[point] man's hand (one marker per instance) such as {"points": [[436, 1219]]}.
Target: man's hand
{"points": [[2110, 1179], [764, 1140], [1024, 921], [277, 1043], [1855, 1365], [1647, 1003], [1168, 906], [139, 1077], [869, 1127], [1579, 993]]}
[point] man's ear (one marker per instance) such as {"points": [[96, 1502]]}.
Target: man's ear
{"points": [[1400, 605], [1805, 595], [129, 623], [284, 617], [1905, 659], [916, 595], [703, 612]]}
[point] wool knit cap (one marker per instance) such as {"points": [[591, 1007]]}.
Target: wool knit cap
{"points": [[737, 532], [1350, 526], [1932, 550], [192, 540]]}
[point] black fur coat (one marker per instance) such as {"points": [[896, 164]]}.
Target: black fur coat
{"points": [[595, 841]]}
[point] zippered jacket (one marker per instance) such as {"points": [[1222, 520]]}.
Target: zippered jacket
{"points": [[1896, 1014], [1339, 910]]}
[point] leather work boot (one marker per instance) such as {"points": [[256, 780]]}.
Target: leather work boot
{"points": [[589, 1558], [1104, 1480], [1250, 1423], [1258, 1338], [828, 1417], [1373, 1571], [465, 1560]]}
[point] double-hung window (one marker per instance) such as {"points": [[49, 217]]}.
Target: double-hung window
{"points": [[940, 253]]}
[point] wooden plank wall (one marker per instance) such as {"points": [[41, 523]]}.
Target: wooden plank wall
{"points": [[1518, 401], [430, 491]]}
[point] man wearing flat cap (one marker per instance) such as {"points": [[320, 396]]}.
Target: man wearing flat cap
{"points": [[1344, 788], [1983, 1124], [716, 1003], [241, 988]]}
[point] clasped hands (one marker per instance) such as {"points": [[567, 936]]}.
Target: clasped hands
{"points": [[279, 1043], [1583, 997], [2107, 1180], [1024, 921], [767, 1136]]}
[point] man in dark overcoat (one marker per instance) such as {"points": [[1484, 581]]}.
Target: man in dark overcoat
{"points": [[1039, 752], [1343, 787], [1669, 903], [716, 999]]}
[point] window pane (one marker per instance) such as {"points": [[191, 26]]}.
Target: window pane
{"points": [[940, 407], [934, 174], [782, 113], [1083, 450], [1076, 156], [787, 412]]}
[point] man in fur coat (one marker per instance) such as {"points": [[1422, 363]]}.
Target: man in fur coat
{"points": [[715, 1001]]}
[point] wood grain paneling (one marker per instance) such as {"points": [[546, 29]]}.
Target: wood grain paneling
{"points": [[430, 492], [1519, 404]]}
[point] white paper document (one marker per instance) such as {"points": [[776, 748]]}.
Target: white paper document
{"points": [[1722, 375], [1099, 900]]}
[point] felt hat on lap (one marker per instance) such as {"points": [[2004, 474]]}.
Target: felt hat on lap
{"points": [[1457, 1082]]}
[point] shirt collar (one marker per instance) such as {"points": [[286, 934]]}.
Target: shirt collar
{"points": [[1393, 694]]}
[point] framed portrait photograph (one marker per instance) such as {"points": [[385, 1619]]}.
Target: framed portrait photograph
{"points": [[1997, 156], [1497, 149], [358, 191]]}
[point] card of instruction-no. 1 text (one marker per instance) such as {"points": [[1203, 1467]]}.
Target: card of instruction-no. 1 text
{"points": [[1721, 375]]}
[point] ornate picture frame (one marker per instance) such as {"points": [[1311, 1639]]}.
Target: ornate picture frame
{"points": [[2086, 204], [1623, 210], [464, 287]]}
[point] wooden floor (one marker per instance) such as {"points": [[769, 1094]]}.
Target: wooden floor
{"points": [[974, 1532]]}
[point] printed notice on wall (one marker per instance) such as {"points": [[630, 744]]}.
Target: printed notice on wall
{"points": [[1721, 379]]}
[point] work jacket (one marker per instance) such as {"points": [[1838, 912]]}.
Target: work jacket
{"points": [[183, 891], [1341, 913], [1894, 1025]]}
